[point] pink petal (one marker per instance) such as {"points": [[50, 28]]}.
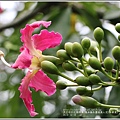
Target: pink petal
{"points": [[43, 83], [27, 34], [46, 40], [26, 94], [38, 23], [23, 60]]}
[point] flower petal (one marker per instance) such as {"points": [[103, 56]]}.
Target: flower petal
{"points": [[23, 60], [26, 94], [46, 40], [38, 23], [43, 83], [27, 34]]}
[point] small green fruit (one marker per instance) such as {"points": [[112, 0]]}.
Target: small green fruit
{"points": [[108, 63], [117, 27], [116, 52], [86, 101], [68, 66], [62, 54], [90, 71], [79, 65], [119, 37], [98, 34], [77, 50], [95, 63], [85, 43], [81, 90], [94, 79], [82, 80], [114, 111], [68, 48], [88, 93], [49, 67], [61, 84]]}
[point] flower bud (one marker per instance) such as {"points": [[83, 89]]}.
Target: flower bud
{"points": [[89, 71], [77, 50], [68, 48], [116, 52], [85, 101], [94, 79], [93, 51], [114, 111], [82, 80], [119, 37], [108, 63], [68, 66], [62, 54], [85, 43], [49, 67], [82, 90], [61, 84], [94, 63], [117, 27], [98, 34]]}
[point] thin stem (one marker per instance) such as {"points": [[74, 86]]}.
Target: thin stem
{"points": [[98, 88], [117, 72], [72, 85], [112, 78], [3, 60], [100, 52], [80, 71], [83, 67], [68, 78], [110, 106]]}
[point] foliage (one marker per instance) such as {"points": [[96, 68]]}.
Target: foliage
{"points": [[74, 20]]}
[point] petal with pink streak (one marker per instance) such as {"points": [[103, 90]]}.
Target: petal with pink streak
{"points": [[43, 83], [46, 40], [25, 94], [38, 23], [23, 60]]}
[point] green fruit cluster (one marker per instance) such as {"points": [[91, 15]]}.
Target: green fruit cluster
{"points": [[73, 58]]}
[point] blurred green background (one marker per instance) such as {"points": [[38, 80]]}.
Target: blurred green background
{"points": [[74, 20]]}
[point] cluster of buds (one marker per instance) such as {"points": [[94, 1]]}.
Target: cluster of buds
{"points": [[73, 58]]}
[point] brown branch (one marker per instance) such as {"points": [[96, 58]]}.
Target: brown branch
{"points": [[44, 8]]}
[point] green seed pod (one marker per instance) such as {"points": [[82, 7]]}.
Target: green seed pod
{"points": [[68, 66], [119, 37], [108, 63], [81, 90], [85, 101], [98, 34], [61, 84], [85, 43], [93, 51], [68, 48], [94, 79], [114, 111], [49, 67], [77, 50], [116, 52], [82, 80], [88, 93], [95, 63], [79, 65], [89, 71], [117, 27], [62, 54]]}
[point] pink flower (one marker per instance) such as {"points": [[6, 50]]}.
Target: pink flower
{"points": [[31, 53]]}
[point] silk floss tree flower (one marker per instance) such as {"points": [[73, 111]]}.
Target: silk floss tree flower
{"points": [[31, 53]]}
